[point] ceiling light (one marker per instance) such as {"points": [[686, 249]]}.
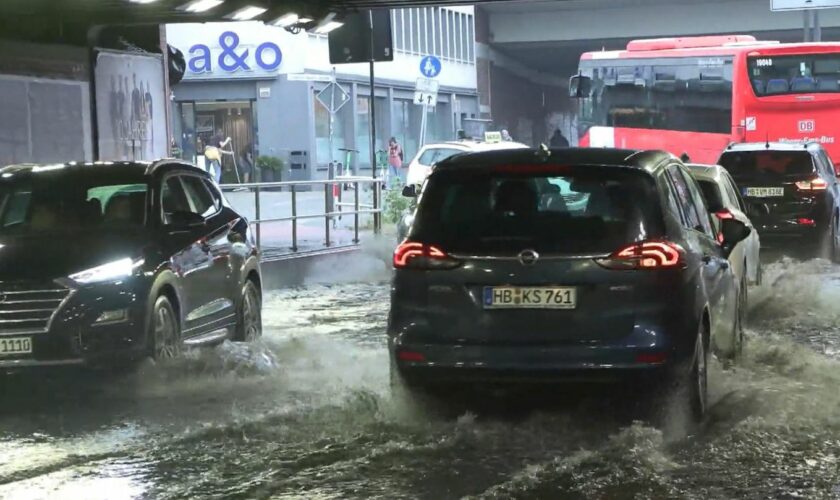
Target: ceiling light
{"points": [[200, 5], [142, 1], [246, 13], [287, 20], [330, 23]]}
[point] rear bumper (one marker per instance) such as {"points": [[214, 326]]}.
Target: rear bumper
{"points": [[569, 364], [785, 233]]}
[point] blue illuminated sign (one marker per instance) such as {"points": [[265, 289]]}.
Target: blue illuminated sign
{"points": [[430, 66], [267, 56]]}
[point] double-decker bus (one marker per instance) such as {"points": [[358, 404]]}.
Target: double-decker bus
{"points": [[696, 95]]}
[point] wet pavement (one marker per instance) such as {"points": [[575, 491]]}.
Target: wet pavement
{"points": [[307, 413]]}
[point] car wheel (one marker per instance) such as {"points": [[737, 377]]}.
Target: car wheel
{"points": [[165, 330], [741, 319], [698, 379], [249, 324], [835, 244]]}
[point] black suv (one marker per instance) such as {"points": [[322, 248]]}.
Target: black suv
{"points": [[791, 191], [103, 263], [502, 280]]}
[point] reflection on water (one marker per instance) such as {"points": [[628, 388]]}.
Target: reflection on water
{"points": [[306, 413]]}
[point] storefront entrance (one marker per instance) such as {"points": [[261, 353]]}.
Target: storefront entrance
{"points": [[203, 124]]}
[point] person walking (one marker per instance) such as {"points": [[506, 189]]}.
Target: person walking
{"points": [[558, 140], [395, 161]]}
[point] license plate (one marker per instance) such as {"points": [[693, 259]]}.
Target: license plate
{"points": [[766, 192], [15, 345], [506, 297]]}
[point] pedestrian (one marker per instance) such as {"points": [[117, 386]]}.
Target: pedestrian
{"points": [[395, 161], [558, 140], [506, 136], [213, 152]]}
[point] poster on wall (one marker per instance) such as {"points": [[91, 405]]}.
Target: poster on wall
{"points": [[130, 100], [205, 123]]}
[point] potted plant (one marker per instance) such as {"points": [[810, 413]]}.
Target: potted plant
{"points": [[271, 168]]}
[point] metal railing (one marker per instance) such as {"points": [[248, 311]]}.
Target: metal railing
{"points": [[334, 206]]}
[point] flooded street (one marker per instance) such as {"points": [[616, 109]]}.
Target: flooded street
{"points": [[308, 414]]}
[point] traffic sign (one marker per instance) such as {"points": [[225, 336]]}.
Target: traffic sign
{"points": [[333, 97], [430, 66], [782, 5], [427, 85], [425, 98]]}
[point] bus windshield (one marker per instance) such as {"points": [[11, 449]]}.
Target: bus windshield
{"points": [[794, 74]]}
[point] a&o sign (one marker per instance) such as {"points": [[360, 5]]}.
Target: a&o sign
{"points": [[232, 58]]}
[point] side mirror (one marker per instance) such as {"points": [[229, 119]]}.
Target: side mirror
{"points": [[184, 221], [734, 232], [580, 87], [410, 191]]}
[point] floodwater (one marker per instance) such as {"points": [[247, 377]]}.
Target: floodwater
{"points": [[307, 413]]}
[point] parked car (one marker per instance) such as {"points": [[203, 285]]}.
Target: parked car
{"points": [[499, 281], [106, 263], [724, 202], [791, 192], [421, 165]]}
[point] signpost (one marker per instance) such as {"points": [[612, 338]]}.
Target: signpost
{"points": [[784, 5], [333, 98], [810, 14], [426, 91]]}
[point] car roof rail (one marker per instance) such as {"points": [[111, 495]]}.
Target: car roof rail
{"points": [[648, 158]]}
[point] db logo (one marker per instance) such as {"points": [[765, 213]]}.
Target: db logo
{"points": [[806, 126]]}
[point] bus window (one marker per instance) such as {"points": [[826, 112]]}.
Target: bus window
{"points": [[796, 74], [686, 97]]}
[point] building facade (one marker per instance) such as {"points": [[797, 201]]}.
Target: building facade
{"points": [[269, 91]]}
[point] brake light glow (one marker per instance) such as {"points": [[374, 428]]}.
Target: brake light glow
{"points": [[724, 214], [421, 256], [812, 185], [651, 358], [806, 222], [646, 255], [411, 356]]}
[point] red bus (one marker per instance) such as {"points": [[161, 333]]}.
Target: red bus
{"points": [[695, 95]]}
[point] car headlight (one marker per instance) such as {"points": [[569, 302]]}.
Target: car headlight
{"points": [[111, 271]]}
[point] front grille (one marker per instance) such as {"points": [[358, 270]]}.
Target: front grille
{"points": [[28, 307]]}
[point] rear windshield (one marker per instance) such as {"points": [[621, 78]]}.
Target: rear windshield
{"points": [[436, 155], [711, 194], [767, 164], [548, 209]]}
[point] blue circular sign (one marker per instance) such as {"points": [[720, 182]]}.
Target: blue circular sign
{"points": [[430, 66]]}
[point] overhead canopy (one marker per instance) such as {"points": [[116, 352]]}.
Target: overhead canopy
{"points": [[166, 11]]}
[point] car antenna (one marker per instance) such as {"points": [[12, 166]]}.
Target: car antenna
{"points": [[767, 143]]}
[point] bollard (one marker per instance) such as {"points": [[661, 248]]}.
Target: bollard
{"points": [[327, 199], [356, 215], [257, 216], [294, 219]]}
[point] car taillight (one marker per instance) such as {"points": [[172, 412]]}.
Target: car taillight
{"points": [[413, 255], [645, 255], [724, 214], [812, 185], [806, 222]]}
